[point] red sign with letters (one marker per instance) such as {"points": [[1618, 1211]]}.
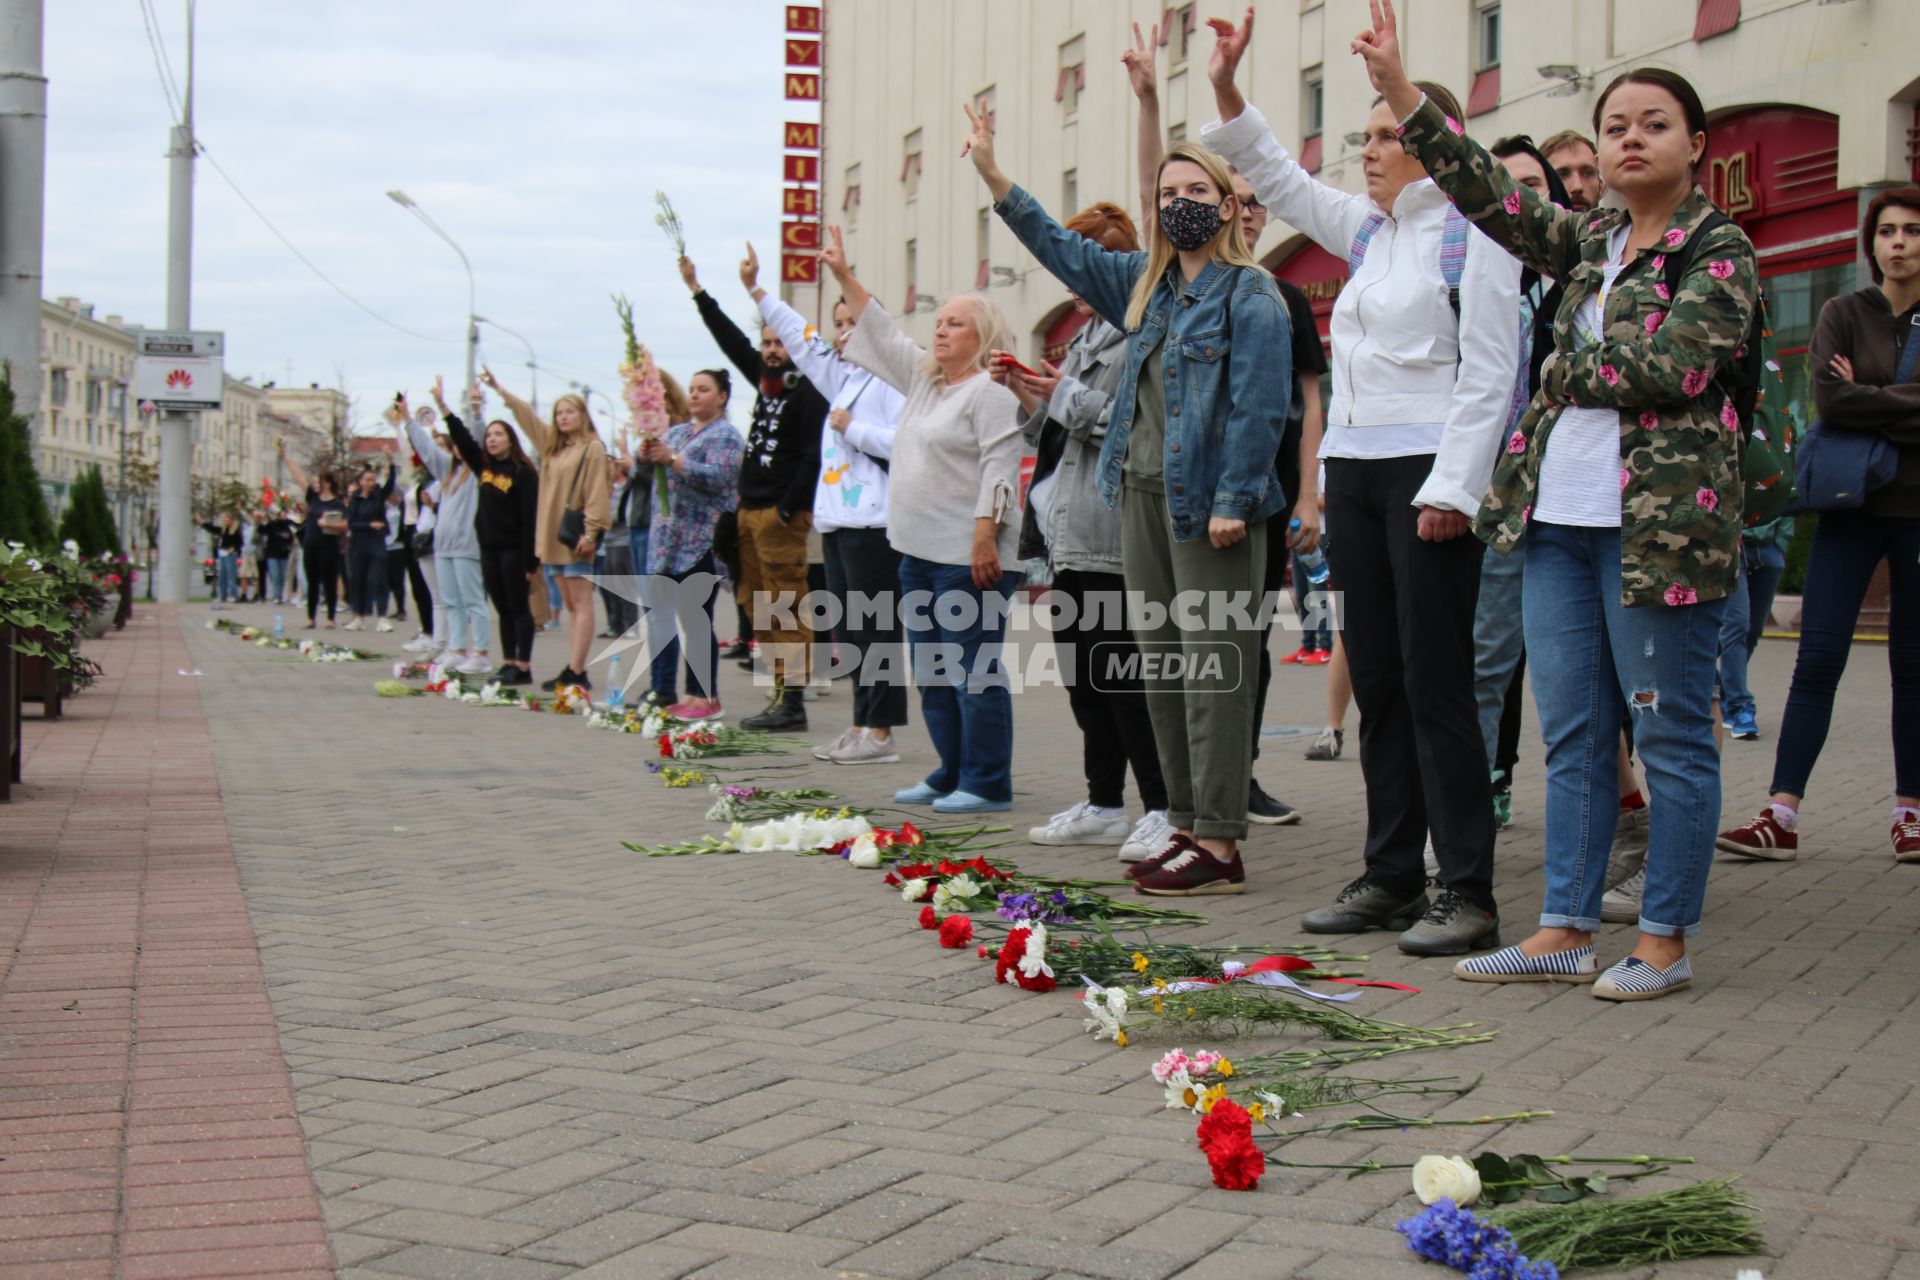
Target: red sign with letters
{"points": [[802, 87], [800, 136], [800, 168], [799, 268], [800, 235], [801, 201], [803, 17], [803, 53]]}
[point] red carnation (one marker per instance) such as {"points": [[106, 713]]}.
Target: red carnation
{"points": [[1225, 1133], [1038, 982], [1010, 952], [983, 951], [955, 931], [927, 919], [666, 745], [1224, 1119]]}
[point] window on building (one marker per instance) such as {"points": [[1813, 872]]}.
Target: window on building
{"points": [[913, 277], [1313, 104], [1715, 16], [910, 164], [1178, 35], [1486, 37], [1072, 80], [1176, 133], [57, 388], [1069, 193], [983, 247], [850, 199]]}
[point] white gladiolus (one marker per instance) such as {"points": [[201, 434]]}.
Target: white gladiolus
{"points": [[1446, 1178]]}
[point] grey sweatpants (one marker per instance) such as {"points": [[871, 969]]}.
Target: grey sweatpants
{"points": [[1200, 666]]}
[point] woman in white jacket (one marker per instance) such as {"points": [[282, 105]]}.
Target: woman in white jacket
{"points": [[1426, 349], [850, 512]]}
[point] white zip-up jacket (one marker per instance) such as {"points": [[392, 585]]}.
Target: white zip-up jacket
{"points": [[1408, 376], [852, 492]]}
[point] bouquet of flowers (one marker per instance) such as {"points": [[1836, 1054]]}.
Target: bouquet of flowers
{"points": [[645, 394], [710, 741], [817, 830], [395, 689], [752, 804], [571, 700]]}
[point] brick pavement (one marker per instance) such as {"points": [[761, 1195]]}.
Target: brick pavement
{"points": [[518, 1050]]}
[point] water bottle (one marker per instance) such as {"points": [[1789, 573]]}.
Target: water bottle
{"points": [[279, 626], [1313, 562], [616, 696]]}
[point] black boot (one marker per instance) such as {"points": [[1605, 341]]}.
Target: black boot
{"points": [[567, 676], [787, 711]]}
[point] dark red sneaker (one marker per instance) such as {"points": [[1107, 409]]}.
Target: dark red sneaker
{"points": [[1906, 841], [1764, 837], [1167, 853], [1191, 873]]}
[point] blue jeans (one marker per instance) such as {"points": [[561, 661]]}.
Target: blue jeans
{"points": [[1847, 547], [1498, 639], [1319, 638], [277, 579], [1585, 648], [964, 695], [1746, 619], [663, 678], [226, 576], [687, 611]]}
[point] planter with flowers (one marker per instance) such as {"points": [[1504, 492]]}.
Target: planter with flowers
{"points": [[36, 642]]}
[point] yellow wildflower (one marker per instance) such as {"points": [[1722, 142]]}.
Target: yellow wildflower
{"points": [[1120, 1039], [1258, 1113], [1157, 1004], [1139, 963], [1212, 1096], [1224, 1067]]}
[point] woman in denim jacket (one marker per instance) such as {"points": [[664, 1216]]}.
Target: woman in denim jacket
{"points": [[1064, 417], [1203, 393]]}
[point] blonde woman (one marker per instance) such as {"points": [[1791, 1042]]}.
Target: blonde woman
{"points": [[1197, 417], [956, 467], [573, 476]]}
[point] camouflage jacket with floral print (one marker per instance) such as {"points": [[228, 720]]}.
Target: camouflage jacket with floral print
{"points": [[1680, 486]]}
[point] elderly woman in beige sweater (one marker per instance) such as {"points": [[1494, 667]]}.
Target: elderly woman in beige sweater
{"points": [[573, 474]]}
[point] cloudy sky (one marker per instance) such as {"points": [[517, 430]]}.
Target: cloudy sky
{"points": [[534, 133]]}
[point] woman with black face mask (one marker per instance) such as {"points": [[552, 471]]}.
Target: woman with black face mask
{"points": [[1197, 417]]}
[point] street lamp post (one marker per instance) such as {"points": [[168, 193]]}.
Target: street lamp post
{"points": [[406, 202], [533, 367]]}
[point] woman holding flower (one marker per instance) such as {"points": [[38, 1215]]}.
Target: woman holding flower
{"points": [[1624, 478]]}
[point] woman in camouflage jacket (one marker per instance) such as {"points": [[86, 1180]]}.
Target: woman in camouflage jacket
{"points": [[1624, 591]]}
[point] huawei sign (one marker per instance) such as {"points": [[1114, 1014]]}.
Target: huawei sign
{"points": [[179, 380]]}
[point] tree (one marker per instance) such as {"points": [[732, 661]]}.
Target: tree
{"points": [[23, 504], [89, 517]]}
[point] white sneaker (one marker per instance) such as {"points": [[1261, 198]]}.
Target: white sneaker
{"points": [[1432, 859], [847, 736], [352, 624], [421, 643], [1621, 905], [1629, 853], [1082, 824], [384, 625], [478, 665], [448, 658], [1150, 835]]}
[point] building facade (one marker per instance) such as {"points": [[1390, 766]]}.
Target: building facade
{"points": [[1814, 106]]}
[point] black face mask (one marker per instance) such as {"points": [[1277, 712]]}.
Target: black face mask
{"points": [[1189, 224]]}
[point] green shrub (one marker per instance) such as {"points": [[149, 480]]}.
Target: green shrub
{"points": [[23, 504], [88, 520]]}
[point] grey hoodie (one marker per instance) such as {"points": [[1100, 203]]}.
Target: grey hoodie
{"points": [[453, 533]]}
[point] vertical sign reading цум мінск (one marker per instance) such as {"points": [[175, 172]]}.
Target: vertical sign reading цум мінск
{"points": [[800, 150]]}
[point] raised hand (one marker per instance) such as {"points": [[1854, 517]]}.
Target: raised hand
{"points": [[1229, 46], [980, 147], [1139, 61], [834, 256], [487, 379], [687, 274], [750, 269], [1379, 45]]}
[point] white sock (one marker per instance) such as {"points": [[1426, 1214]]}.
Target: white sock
{"points": [[1785, 815], [1905, 813], [1100, 812]]}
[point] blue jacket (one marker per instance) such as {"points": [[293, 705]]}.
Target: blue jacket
{"points": [[1227, 365]]}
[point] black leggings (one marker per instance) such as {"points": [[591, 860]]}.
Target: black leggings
{"points": [[505, 573], [322, 562], [403, 565], [366, 567]]}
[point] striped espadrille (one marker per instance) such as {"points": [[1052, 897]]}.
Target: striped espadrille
{"points": [[1635, 979], [1511, 964]]}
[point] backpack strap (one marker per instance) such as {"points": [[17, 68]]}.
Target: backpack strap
{"points": [[1680, 261], [1357, 253], [1453, 253]]}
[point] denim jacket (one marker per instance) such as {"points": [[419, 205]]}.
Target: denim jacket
{"points": [[1227, 364], [1068, 430]]}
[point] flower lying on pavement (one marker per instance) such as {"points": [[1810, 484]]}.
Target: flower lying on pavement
{"points": [[956, 931], [1437, 1178], [1448, 1234], [1107, 1014], [1226, 1135]]}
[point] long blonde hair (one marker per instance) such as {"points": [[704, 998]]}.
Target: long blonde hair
{"points": [[587, 429], [1230, 247], [678, 410]]}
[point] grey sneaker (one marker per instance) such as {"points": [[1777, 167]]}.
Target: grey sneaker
{"points": [[1452, 927], [1629, 847], [867, 749], [1364, 905], [826, 749], [1621, 905], [1327, 745]]}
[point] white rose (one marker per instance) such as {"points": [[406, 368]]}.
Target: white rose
{"points": [[865, 852], [1446, 1178], [914, 890]]}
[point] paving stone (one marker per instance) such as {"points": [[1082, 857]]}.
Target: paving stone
{"points": [[600, 1237]]}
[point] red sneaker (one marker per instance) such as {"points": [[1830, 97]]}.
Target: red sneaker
{"points": [[1318, 658], [1154, 861], [1193, 872], [1906, 840], [1764, 838], [1299, 656]]}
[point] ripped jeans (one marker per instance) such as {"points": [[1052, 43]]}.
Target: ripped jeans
{"points": [[1584, 647]]}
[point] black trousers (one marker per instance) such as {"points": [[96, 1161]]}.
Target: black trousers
{"points": [[862, 563], [505, 573], [1408, 629], [403, 566], [1104, 691], [1506, 753], [1275, 582], [366, 561], [321, 560]]}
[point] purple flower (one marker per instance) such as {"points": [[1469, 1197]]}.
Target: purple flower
{"points": [[653, 766], [1015, 907]]}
